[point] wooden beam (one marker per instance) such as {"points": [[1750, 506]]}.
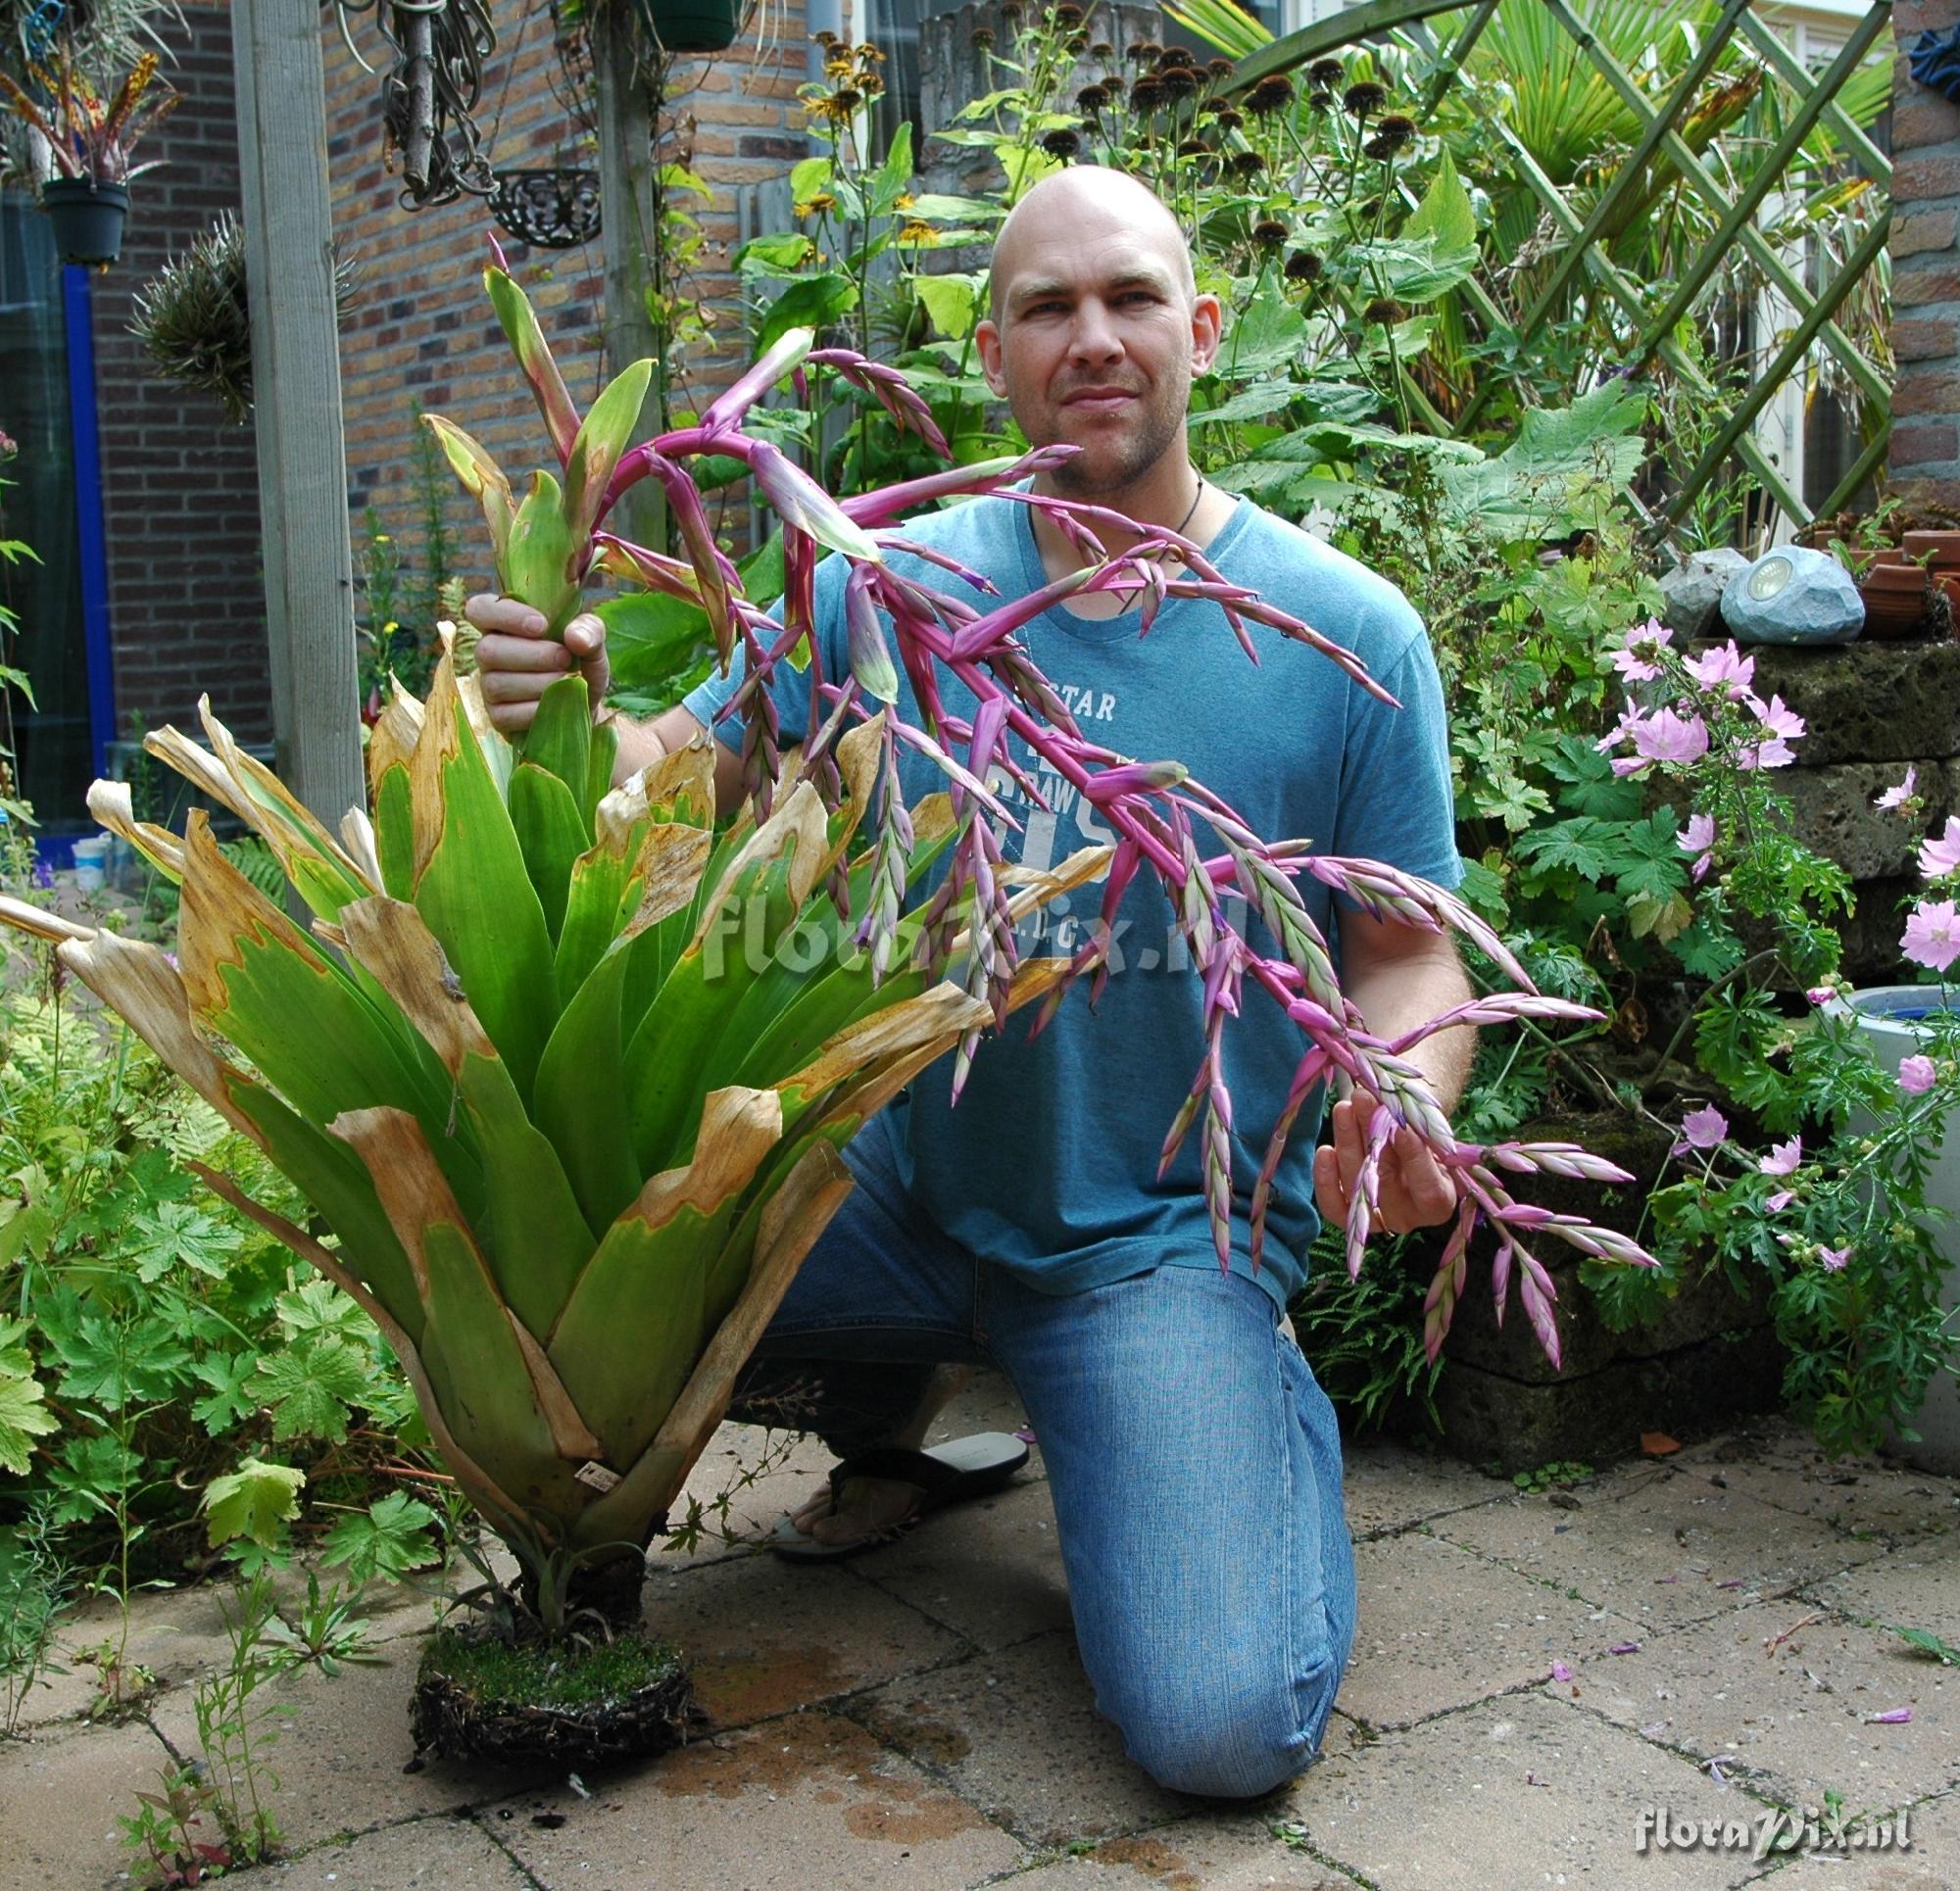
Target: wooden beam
{"points": [[309, 562], [624, 78]]}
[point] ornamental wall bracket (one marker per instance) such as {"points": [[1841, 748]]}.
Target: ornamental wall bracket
{"points": [[551, 209]]}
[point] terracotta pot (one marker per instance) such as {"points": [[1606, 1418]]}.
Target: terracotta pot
{"points": [[1894, 597], [1944, 548]]}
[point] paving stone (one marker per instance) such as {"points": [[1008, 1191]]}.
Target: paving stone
{"points": [[1018, 1734], [60, 1794], [1929, 1861], [1869, 1497], [1439, 1628], [1792, 1721], [1518, 1792], [1914, 1588], [421, 1855], [804, 1801], [1229, 1851], [174, 1632], [339, 1756], [763, 1636], [988, 1403], [1388, 1485], [990, 1570], [1660, 1552]]}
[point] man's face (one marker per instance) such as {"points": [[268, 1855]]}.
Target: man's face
{"points": [[1096, 339]]}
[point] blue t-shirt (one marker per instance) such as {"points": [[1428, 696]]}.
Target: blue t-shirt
{"points": [[1048, 1164]]}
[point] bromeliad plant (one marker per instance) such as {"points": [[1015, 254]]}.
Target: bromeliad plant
{"points": [[564, 1069]]}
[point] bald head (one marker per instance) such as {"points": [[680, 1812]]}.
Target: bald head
{"points": [[1079, 204]]}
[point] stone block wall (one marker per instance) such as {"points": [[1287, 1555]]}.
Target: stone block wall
{"points": [[1925, 451], [180, 482]]}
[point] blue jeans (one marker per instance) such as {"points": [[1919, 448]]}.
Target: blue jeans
{"points": [[1194, 1463]]}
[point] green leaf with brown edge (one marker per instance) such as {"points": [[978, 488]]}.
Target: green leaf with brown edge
{"points": [[602, 437], [336, 1181], [560, 739], [550, 834], [535, 1239], [519, 324], [601, 757], [577, 1100], [395, 833], [592, 914], [482, 1382], [476, 896], [479, 476]]}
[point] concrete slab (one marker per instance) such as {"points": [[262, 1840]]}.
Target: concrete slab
{"points": [[1388, 1486], [1234, 1851], [1675, 1551], [1929, 1860], [763, 1476], [1788, 1717], [806, 1801], [1017, 1735], [174, 1632], [1440, 1627], [1917, 1587], [763, 1636], [1524, 1791], [990, 1570], [1868, 1499], [60, 1794], [418, 1856]]}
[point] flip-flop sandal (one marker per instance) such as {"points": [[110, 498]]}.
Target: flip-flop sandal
{"points": [[947, 1473]]}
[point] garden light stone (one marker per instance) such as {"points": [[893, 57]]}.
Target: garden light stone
{"points": [[1693, 591], [1793, 596]]}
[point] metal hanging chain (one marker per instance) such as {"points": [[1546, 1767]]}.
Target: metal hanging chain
{"points": [[428, 96]]}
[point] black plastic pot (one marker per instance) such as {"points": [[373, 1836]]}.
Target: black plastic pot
{"points": [[692, 25], [87, 217]]}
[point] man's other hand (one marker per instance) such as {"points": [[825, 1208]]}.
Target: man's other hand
{"points": [[1413, 1191], [518, 663]]}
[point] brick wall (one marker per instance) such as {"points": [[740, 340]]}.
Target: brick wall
{"points": [[425, 332], [181, 493], [1925, 450]]}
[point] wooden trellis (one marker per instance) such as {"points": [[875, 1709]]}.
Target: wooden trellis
{"points": [[1653, 309]]}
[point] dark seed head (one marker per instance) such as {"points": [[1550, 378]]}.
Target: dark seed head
{"points": [[1061, 143], [1246, 164], [1146, 94], [1303, 266], [1174, 56], [1143, 52], [1092, 98], [1193, 148], [1273, 93], [1180, 81], [1068, 13], [1364, 97], [983, 37], [1385, 310], [1101, 50], [1269, 232], [1230, 117], [1326, 72], [1218, 67], [1319, 101]]}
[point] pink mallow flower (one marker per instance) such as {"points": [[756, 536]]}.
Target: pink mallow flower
{"points": [[1937, 858], [1783, 726], [1699, 837], [1726, 669], [1702, 1129], [1638, 648], [1780, 1199], [1933, 935], [1833, 1259], [1782, 1158], [1902, 793], [1917, 1075], [1664, 736]]}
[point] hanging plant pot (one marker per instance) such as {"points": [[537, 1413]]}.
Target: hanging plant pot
{"points": [[692, 25], [87, 217]]}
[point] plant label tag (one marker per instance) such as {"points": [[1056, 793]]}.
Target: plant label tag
{"points": [[595, 1473]]}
